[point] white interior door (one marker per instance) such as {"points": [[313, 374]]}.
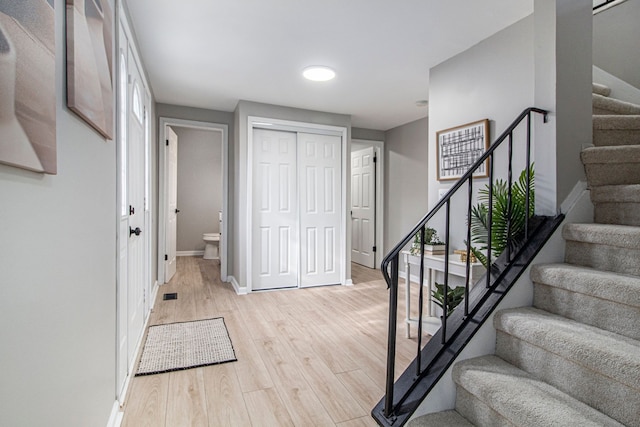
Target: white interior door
{"points": [[123, 216], [319, 175], [363, 203], [135, 194], [172, 203], [274, 249]]}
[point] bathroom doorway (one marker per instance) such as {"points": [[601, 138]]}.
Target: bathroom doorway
{"points": [[193, 165]]}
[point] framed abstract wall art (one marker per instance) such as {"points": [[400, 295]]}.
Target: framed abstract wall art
{"points": [[90, 63], [460, 147], [27, 85]]}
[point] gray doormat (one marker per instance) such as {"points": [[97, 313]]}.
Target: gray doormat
{"points": [[186, 345]]}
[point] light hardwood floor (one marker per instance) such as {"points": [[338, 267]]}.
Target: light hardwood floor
{"points": [[306, 357]]}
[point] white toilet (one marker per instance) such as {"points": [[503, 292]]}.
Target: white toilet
{"points": [[211, 245]]}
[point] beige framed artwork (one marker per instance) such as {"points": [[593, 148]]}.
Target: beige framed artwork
{"points": [[458, 148], [90, 63], [27, 85]]}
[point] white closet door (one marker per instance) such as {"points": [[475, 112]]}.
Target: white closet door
{"points": [[274, 250], [319, 161]]}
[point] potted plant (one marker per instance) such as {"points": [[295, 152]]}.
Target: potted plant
{"points": [[454, 296], [432, 243], [500, 217]]}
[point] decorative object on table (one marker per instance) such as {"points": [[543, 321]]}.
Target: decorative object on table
{"points": [[500, 218], [28, 85], [463, 255], [454, 296], [185, 345], [432, 243], [90, 63], [460, 147]]}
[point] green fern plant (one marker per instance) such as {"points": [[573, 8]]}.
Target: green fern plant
{"points": [[454, 296], [519, 216]]}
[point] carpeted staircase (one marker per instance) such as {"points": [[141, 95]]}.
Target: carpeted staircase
{"points": [[573, 359]]}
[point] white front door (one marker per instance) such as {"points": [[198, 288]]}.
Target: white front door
{"points": [[123, 216], [135, 195], [319, 175], [172, 203], [363, 204], [274, 249]]}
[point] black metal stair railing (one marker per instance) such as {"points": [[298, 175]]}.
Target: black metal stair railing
{"points": [[390, 264], [602, 3]]}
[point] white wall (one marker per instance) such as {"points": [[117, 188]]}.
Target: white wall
{"points": [[493, 79], [616, 46], [199, 186], [58, 278]]}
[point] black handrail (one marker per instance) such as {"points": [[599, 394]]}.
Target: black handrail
{"points": [[603, 4], [391, 261]]}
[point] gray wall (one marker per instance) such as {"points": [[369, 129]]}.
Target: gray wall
{"points": [[370, 134], [616, 46], [245, 109], [493, 79], [406, 179], [58, 264], [199, 186]]}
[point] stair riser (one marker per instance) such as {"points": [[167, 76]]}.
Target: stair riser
{"points": [[609, 137], [612, 173], [614, 111], [601, 392], [477, 411], [603, 314], [602, 257], [617, 213]]}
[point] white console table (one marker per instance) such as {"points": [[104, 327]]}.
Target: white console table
{"points": [[433, 263]]}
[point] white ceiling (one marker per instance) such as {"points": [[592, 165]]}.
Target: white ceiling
{"points": [[212, 53]]}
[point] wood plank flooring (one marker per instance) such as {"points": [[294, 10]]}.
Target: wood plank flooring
{"points": [[306, 357]]}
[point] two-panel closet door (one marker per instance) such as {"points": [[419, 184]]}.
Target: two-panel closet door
{"points": [[296, 198]]}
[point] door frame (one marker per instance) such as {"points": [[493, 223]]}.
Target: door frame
{"points": [[164, 122], [122, 34], [255, 122], [378, 147]]}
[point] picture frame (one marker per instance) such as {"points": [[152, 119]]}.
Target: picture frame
{"points": [[90, 63], [28, 85], [458, 148]]}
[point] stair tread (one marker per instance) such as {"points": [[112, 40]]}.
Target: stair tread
{"points": [[610, 354], [611, 154], [624, 236], [616, 122], [616, 193], [619, 288], [601, 102], [521, 398], [438, 419], [600, 89]]}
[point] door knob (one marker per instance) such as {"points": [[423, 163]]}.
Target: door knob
{"points": [[137, 231], [177, 210]]}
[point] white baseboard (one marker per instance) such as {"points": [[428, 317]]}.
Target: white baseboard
{"points": [[154, 294], [240, 290], [189, 253], [348, 282], [115, 419], [574, 196]]}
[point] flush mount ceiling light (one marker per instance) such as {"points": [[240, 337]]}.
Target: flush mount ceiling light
{"points": [[318, 73]]}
